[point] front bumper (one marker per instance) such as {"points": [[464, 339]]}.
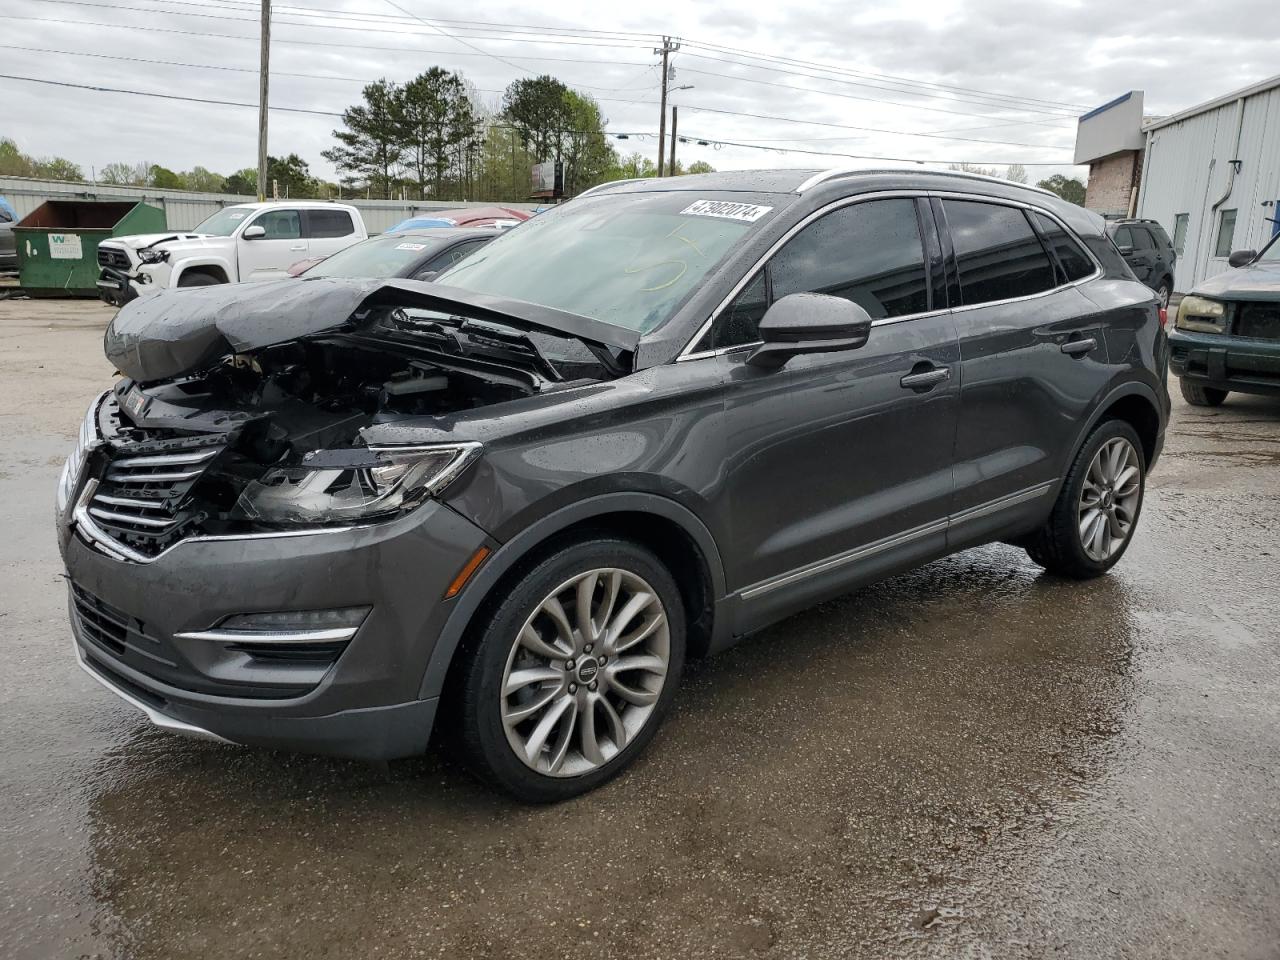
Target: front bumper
{"points": [[115, 287], [366, 704], [1224, 362]]}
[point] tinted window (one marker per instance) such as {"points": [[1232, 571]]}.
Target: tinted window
{"points": [[1123, 237], [1074, 262], [1143, 238], [454, 254], [329, 223], [869, 253], [999, 255], [280, 224]]}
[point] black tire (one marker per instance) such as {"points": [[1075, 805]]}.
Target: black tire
{"points": [[1058, 546], [190, 279], [481, 736], [1201, 396]]}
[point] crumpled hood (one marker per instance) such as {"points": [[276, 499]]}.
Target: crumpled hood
{"points": [[167, 240], [185, 330], [1260, 281]]}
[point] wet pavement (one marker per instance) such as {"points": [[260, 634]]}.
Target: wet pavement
{"points": [[972, 760]]}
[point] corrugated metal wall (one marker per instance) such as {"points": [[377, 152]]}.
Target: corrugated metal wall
{"points": [[1187, 168], [184, 209]]}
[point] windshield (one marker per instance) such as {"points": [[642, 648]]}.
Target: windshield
{"points": [[224, 222], [384, 256], [1272, 250], [625, 259]]}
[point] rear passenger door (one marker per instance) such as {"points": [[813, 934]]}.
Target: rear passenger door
{"points": [[1033, 359], [840, 463], [328, 231]]}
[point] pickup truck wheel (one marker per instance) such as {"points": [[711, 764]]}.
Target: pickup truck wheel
{"points": [[197, 280], [1199, 396]]}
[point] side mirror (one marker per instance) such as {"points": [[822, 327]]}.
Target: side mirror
{"points": [[256, 232], [426, 275], [1242, 258], [809, 323]]}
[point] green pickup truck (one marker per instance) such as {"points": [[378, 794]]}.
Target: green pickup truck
{"points": [[1227, 334]]}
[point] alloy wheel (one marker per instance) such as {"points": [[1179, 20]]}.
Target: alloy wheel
{"points": [[1109, 499], [585, 672]]}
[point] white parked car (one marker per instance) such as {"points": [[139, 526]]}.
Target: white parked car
{"points": [[250, 241]]}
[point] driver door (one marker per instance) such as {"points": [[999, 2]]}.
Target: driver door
{"points": [[269, 257], [839, 465]]}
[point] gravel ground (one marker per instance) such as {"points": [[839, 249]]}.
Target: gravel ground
{"points": [[971, 760]]}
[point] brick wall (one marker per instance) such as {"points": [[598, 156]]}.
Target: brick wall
{"points": [[1110, 181]]}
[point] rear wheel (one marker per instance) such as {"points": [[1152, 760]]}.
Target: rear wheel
{"points": [[571, 675], [190, 279], [1097, 509], [1162, 292], [1200, 396]]}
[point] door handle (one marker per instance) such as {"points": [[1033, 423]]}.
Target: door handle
{"points": [[299, 247], [1078, 348], [925, 379]]}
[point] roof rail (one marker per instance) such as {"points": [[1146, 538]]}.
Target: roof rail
{"points": [[825, 175], [612, 183]]}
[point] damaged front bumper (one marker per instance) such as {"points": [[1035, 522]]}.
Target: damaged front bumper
{"points": [[116, 287], [148, 631]]}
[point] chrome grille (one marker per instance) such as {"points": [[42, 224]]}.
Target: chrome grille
{"points": [[113, 257]]}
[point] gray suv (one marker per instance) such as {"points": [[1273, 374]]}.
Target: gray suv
{"points": [[333, 514]]}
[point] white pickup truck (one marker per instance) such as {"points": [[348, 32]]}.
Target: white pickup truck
{"points": [[249, 241]]}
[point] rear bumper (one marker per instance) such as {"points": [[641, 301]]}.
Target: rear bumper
{"points": [[1224, 362]]}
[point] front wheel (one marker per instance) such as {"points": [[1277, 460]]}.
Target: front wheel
{"points": [[192, 279], [571, 674], [1199, 396], [1097, 509]]}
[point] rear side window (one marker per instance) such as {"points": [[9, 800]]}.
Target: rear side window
{"points": [[999, 255], [1143, 238], [1073, 262], [869, 253], [329, 223], [1123, 238]]}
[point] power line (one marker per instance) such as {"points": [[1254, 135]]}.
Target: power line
{"points": [[711, 141]]}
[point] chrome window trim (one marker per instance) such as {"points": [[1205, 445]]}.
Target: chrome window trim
{"points": [[687, 353]]}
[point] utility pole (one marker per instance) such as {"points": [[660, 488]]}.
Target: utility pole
{"points": [[671, 167], [264, 75], [666, 50]]}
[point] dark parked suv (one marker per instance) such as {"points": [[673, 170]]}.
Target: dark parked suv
{"points": [[1147, 250], [643, 425]]}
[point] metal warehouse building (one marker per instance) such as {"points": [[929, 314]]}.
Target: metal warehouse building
{"points": [[1209, 175]]}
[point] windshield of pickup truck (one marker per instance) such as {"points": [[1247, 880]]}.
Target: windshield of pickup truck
{"points": [[1271, 252], [225, 222], [627, 259]]}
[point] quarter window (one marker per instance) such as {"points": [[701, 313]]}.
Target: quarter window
{"points": [[1180, 232], [869, 253], [280, 224], [1226, 233], [998, 253], [329, 223], [1073, 262]]}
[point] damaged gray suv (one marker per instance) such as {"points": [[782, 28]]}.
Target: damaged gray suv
{"points": [[334, 515]]}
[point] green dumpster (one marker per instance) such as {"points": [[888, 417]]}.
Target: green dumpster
{"points": [[58, 242]]}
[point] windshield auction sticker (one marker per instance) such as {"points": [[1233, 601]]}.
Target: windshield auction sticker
{"points": [[726, 210], [411, 246]]}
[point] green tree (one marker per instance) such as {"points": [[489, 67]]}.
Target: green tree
{"points": [[13, 162], [291, 175], [372, 144], [57, 168], [243, 183], [441, 128], [1068, 188], [556, 123], [206, 181], [164, 179], [700, 166]]}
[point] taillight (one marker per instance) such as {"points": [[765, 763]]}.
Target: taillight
{"points": [[1164, 317]]}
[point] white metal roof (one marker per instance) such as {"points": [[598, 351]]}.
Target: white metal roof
{"points": [[1261, 86]]}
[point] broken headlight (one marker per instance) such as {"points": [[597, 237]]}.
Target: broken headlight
{"points": [[152, 255], [331, 486]]}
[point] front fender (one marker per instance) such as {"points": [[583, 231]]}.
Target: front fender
{"points": [[519, 546], [186, 263]]}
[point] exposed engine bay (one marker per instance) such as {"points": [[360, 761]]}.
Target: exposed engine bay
{"points": [[271, 438]]}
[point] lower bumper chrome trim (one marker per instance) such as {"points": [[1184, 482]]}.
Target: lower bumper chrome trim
{"points": [[161, 720]]}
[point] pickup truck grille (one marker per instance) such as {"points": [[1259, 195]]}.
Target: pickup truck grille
{"points": [[1260, 321], [113, 257]]}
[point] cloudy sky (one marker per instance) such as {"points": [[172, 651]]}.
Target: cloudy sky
{"points": [[932, 80]]}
